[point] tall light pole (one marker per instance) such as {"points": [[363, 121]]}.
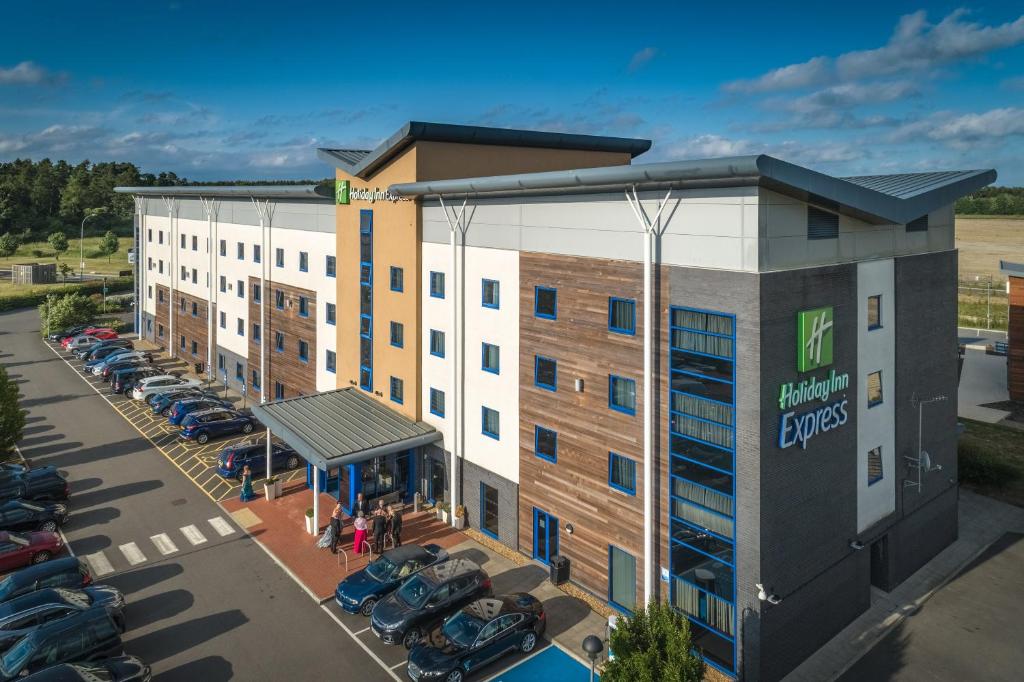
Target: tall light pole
{"points": [[81, 246]]}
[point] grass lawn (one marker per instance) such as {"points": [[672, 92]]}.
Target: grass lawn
{"points": [[94, 262], [1005, 446]]}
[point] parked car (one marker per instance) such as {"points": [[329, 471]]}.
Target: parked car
{"points": [[480, 633], [361, 591], [117, 669], [425, 599], [162, 403], [82, 637], [57, 337], [182, 408], [160, 383], [235, 457], [21, 549], [21, 615], [123, 381], [103, 347], [80, 341], [89, 337], [206, 424], [69, 572], [104, 354], [128, 360], [8, 469], [19, 515], [38, 485]]}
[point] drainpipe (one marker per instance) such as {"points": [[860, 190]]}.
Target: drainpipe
{"points": [[650, 228], [455, 228], [140, 264], [210, 206], [171, 204], [263, 208]]}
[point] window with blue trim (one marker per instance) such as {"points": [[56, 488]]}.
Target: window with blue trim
{"points": [[241, 250], [278, 299], [437, 402], [874, 312], [489, 510], [303, 351], [241, 327], [332, 313], [239, 371], [622, 473], [223, 284], [622, 315], [437, 343], [331, 359], [279, 341], [366, 299], [255, 331], [622, 394], [195, 309], [491, 293], [545, 443], [437, 284], [490, 422], [303, 306], [491, 358], [257, 253], [223, 320], [257, 293], [240, 289], [278, 390], [545, 303], [397, 279], [331, 266], [397, 390], [279, 258], [545, 373], [303, 261], [255, 384], [397, 334], [621, 579]]}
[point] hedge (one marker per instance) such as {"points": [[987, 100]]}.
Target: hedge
{"points": [[34, 298]]}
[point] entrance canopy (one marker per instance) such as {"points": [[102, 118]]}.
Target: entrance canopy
{"points": [[342, 427]]}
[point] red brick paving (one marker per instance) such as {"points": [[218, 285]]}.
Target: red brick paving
{"points": [[282, 530]]}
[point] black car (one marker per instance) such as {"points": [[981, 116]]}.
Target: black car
{"points": [[161, 403], [57, 337], [83, 637], [35, 484], [423, 601], [125, 382], [69, 572], [234, 458], [107, 346], [119, 669], [22, 515], [128, 363], [477, 635], [22, 615]]}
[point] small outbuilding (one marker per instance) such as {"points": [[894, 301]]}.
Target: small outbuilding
{"points": [[34, 273], [1015, 328]]}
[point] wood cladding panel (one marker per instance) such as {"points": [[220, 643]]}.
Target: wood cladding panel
{"points": [[298, 377], [192, 327], [1015, 336], [162, 304]]}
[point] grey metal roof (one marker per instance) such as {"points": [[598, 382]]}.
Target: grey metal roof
{"points": [[342, 427], [843, 195], [413, 131], [906, 185], [1012, 269], [257, 191]]}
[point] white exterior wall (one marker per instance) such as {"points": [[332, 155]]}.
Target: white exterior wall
{"points": [[497, 326], [876, 350]]}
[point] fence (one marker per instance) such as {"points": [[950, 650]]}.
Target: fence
{"points": [[982, 302]]}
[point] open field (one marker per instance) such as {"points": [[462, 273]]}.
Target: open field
{"points": [[1002, 450], [984, 240], [94, 262]]}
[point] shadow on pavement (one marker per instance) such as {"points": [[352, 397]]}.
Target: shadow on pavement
{"points": [[114, 492], [472, 554], [85, 483], [92, 454], [50, 400], [90, 544], [564, 612], [141, 578], [207, 669], [28, 431], [28, 443], [158, 607], [884, 661], [93, 517], [175, 639], [519, 579], [44, 450]]}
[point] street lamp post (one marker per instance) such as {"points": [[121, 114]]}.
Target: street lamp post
{"points": [[592, 646], [81, 247]]}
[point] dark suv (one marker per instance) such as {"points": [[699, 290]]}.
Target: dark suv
{"points": [[89, 635], [425, 599], [69, 572], [35, 484]]}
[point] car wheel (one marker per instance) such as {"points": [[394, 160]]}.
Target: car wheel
{"points": [[247, 428], [49, 526], [367, 608], [293, 462], [203, 438], [528, 643], [411, 638], [454, 676], [166, 412], [40, 557]]}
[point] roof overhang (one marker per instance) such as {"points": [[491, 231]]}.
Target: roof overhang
{"points": [[342, 427], [229, 191], [1011, 269]]}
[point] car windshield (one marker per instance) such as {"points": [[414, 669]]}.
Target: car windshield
{"points": [[16, 657], [7, 587], [80, 599], [462, 628], [381, 569], [414, 592]]}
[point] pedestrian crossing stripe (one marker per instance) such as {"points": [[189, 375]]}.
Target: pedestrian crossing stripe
{"points": [[132, 553], [193, 535], [164, 544], [221, 526], [99, 563]]}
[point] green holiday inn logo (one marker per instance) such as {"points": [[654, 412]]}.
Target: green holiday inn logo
{"points": [[341, 192], [814, 339]]}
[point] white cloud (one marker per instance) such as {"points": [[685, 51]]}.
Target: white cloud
{"points": [[642, 57], [29, 73], [810, 154], [964, 130], [811, 72]]}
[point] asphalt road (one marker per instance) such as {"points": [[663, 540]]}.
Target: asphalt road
{"points": [[204, 607]]}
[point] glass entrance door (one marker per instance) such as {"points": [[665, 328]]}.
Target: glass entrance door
{"points": [[545, 536]]}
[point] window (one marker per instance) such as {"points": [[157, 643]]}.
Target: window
{"points": [[918, 224], [240, 289], [239, 371], [184, 273], [545, 443], [278, 299], [279, 341], [220, 361], [332, 361], [437, 402], [621, 579], [545, 303], [875, 388], [241, 327], [545, 373], [332, 313], [183, 241], [366, 299], [257, 253], [437, 284], [874, 312], [184, 303], [182, 344], [397, 390], [437, 343], [622, 473], [279, 258], [256, 380], [195, 309], [303, 351], [149, 291], [331, 268], [223, 283], [490, 294], [303, 261], [241, 250], [149, 263], [490, 422], [195, 243], [491, 361], [160, 330], [160, 295], [160, 234], [303, 306], [255, 331], [257, 293], [149, 235], [195, 348], [622, 394], [622, 315], [397, 279], [223, 247], [278, 390], [822, 224], [223, 320], [875, 465], [489, 510], [397, 334], [195, 276], [160, 266]]}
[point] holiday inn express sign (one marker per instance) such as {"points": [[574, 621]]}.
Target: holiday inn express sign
{"points": [[815, 338], [344, 193]]}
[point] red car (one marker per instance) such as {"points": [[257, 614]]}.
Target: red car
{"points": [[98, 333], [22, 549]]}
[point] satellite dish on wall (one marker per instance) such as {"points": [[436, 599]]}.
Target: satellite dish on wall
{"points": [[926, 461]]}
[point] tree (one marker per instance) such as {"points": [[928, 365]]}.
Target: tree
{"points": [[65, 270], [62, 311], [12, 417], [58, 242], [109, 244], [9, 243], [651, 646]]}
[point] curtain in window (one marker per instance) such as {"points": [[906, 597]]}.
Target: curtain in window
{"points": [[624, 393], [622, 314], [622, 578], [623, 472]]}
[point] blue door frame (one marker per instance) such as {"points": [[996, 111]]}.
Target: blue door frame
{"points": [[545, 536], [331, 484]]}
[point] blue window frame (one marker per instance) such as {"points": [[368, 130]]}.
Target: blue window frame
{"points": [[437, 402], [490, 423], [490, 293], [437, 343], [874, 385], [239, 371], [303, 351], [331, 359], [622, 394], [545, 536], [397, 334], [331, 266], [397, 390], [545, 373], [255, 383], [490, 360], [545, 303], [303, 261], [622, 473], [545, 443], [223, 320], [241, 250], [257, 253], [195, 309], [182, 342], [279, 258], [278, 299], [622, 315], [255, 331], [437, 284], [397, 279], [621, 580], [278, 390], [303, 306], [489, 510], [874, 312], [241, 327], [240, 289], [366, 300], [257, 293], [332, 313], [279, 341]]}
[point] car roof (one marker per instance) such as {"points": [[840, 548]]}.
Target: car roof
{"points": [[52, 567], [157, 377], [491, 607], [406, 552], [446, 570], [200, 413], [76, 619], [31, 600]]}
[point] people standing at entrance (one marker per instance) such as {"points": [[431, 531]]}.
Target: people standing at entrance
{"points": [[380, 526], [360, 532], [396, 526], [379, 509], [247, 493], [361, 505], [336, 528]]}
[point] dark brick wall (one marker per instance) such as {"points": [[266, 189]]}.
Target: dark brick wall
{"points": [[508, 501]]}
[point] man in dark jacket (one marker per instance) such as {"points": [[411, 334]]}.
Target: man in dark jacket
{"points": [[361, 505], [380, 526], [396, 525]]}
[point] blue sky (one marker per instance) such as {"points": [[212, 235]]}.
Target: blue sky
{"points": [[250, 90]]}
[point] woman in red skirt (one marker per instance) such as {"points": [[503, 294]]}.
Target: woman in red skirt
{"points": [[360, 534]]}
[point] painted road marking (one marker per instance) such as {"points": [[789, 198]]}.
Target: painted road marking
{"points": [[356, 634], [132, 553], [164, 544], [221, 526], [100, 564], [193, 535]]}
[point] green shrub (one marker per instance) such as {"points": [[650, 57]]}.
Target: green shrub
{"points": [[980, 465], [36, 298], [653, 645], [38, 253]]}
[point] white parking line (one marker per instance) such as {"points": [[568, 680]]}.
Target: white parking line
{"points": [[164, 544], [399, 665], [100, 564], [193, 535], [360, 632], [132, 553], [361, 643], [221, 526]]}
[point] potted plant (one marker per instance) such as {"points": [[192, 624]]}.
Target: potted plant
{"points": [[460, 517], [310, 523], [444, 511], [272, 488]]}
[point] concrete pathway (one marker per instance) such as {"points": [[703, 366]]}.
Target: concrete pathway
{"points": [[982, 381]]}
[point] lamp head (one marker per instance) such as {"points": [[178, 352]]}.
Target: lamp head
{"points": [[592, 646]]}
